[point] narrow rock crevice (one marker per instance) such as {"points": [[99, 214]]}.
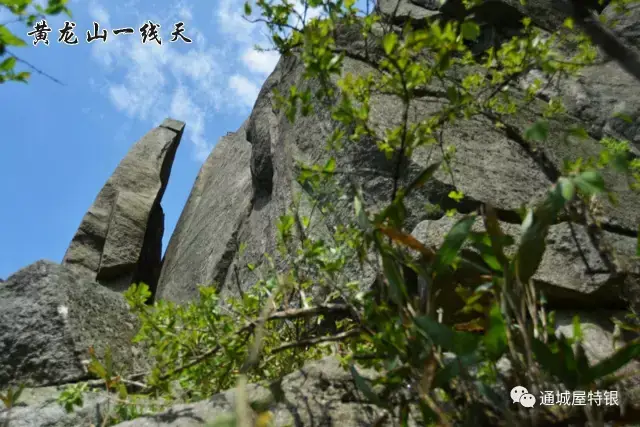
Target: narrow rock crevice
{"points": [[262, 171], [231, 251]]}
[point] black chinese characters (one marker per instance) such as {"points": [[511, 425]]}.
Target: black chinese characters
{"points": [[149, 32]]}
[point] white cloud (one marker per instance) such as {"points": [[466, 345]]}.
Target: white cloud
{"points": [[162, 80], [260, 62], [229, 16], [183, 108], [246, 90], [184, 12], [191, 82], [309, 14], [99, 14]]}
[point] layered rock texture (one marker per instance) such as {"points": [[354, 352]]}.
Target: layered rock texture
{"points": [[249, 181], [119, 240]]}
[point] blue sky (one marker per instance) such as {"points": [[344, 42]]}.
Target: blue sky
{"points": [[59, 144]]}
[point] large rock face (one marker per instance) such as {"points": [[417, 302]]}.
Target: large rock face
{"points": [[201, 248], [249, 180], [119, 240], [49, 317]]}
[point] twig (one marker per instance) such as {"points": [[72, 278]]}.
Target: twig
{"points": [[311, 311], [316, 340], [36, 69], [626, 57]]}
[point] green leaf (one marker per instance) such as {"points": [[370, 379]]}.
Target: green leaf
{"points": [[531, 248], [331, 165], [8, 64], [495, 338], [422, 179], [614, 362], [453, 242], [361, 215], [247, 9], [392, 273], [363, 385], [539, 131], [454, 368], [97, 368], [590, 182], [9, 39], [578, 132], [582, 363], [550, 362], [567, 188], [470, 30], [623, 116], [22, 76], [461, 343], [534, 232], [577, 328], [389, 42], [456, 195]]}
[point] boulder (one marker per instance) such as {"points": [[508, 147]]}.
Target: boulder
{"points": [[49, 317], [598, 331], [119, 240], [573, 273], [38, 407]]}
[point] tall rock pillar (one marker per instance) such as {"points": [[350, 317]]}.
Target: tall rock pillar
{"points": [[119, 240]]}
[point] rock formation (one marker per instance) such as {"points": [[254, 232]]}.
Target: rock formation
{"points": [[249, 179], [320, 394], [205, 254], [119, 240], [50, 314], [49, 317]]}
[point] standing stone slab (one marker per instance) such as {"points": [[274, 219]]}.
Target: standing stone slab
{"points": [[119, 240], [49, 317]]}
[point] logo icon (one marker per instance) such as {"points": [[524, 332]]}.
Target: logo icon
{"points": [[522, 396]]}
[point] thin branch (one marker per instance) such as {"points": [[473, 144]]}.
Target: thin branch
{"points": [[311, 311], [36, 69], [317, 340], [192, 363]]}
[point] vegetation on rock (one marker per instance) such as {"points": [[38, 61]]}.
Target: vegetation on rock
{"points": [[438, 368]]}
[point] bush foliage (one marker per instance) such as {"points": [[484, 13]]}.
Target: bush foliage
{"points": [[27, 12]]}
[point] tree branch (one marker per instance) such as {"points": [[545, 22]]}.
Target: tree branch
{"points": [[316, 340], [36, 69], [609, 42]]}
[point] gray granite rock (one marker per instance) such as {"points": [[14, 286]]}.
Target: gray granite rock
{"points": [[49, 317], [320, 394], [119, 240]]}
